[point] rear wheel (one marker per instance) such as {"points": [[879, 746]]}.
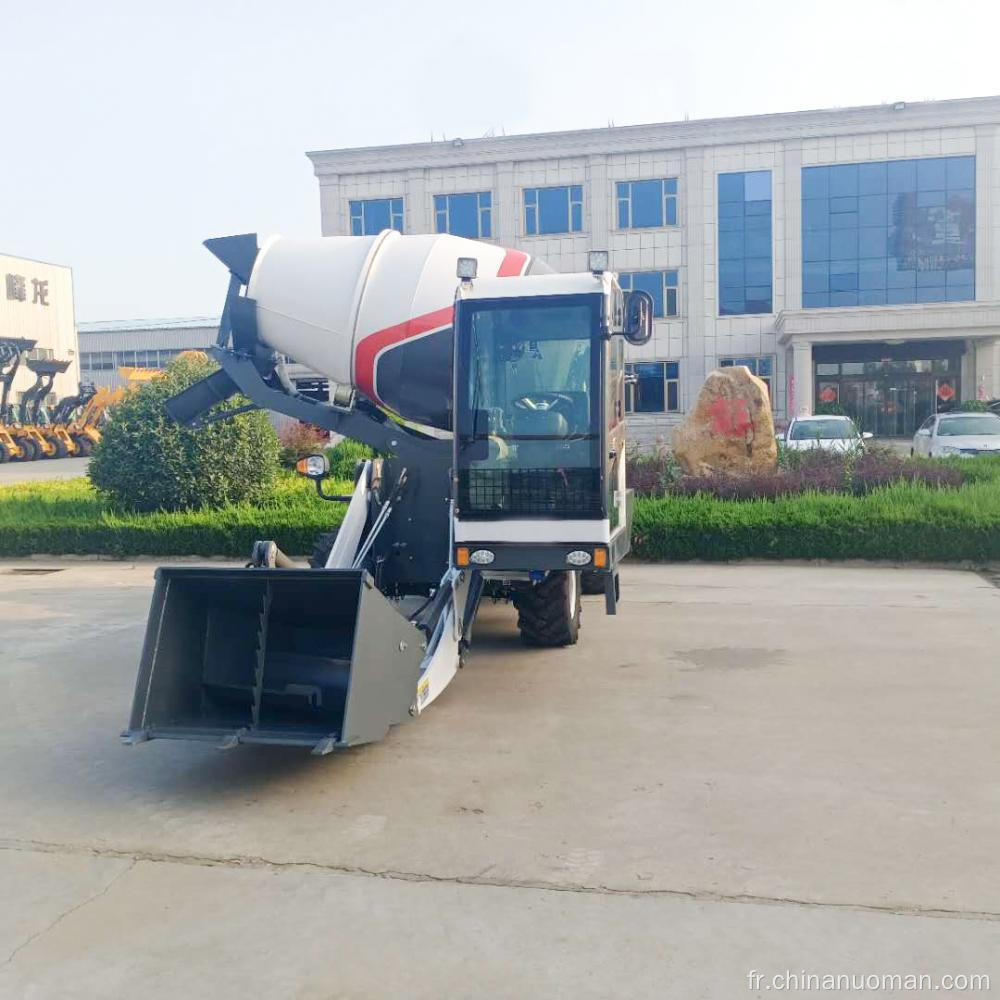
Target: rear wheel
{"points": [[61, 450], [84, 446], [549, 613], [28, 450], [4, 453]]}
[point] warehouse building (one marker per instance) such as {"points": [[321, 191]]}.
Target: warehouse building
{"points": [[107, 347], [36, 303], [849, 257]]}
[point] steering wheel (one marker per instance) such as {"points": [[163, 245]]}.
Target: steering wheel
{"points": [[542, 402]]}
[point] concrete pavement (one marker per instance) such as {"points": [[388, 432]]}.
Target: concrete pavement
{"points": [[750, 768], [42, 469]]}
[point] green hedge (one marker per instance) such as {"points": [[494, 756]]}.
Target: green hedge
{"points": [[900, 523], [64, 518]]}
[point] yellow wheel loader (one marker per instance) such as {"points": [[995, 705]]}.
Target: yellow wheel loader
{"points": [[15, 444], [54, 440]]}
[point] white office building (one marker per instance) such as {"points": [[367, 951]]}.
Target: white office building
{"points": [[850, 257]]}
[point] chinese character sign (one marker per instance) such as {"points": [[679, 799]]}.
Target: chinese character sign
{"points": [[16, 289], [41, 292]]}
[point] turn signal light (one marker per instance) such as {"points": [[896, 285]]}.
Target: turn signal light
{"points": [[462, 556], [600, 558]]}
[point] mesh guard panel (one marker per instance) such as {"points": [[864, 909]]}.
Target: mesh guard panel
{"points": [[530, 492]]}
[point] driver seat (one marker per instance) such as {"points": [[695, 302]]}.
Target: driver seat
{"points": [[546, 425]]}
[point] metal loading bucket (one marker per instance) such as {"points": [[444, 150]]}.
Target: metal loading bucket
{"points": [[313, 658]]}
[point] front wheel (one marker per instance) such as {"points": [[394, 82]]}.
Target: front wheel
{"points": [[322, 548], [548, 614]]}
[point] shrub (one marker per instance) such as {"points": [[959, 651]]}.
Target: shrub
{"points": [[649, 473], [816, 470], [298, 440], [145, 461]]}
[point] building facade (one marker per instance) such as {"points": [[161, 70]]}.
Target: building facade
{"points": [[36, 303], [851, 258], [107, 346]]}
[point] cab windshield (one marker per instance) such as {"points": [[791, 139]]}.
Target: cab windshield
{"points": [[529, 383], [529, 398]]}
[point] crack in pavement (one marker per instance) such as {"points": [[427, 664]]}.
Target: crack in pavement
{"points": [[62, 916], [479, 879]]}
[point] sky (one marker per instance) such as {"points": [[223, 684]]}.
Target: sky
{"points": [[131, 131]]}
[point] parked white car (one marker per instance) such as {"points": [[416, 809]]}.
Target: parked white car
{"points": [[828, 432], [966, 434]]}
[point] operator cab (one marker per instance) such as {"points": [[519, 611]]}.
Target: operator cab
{"points": [[539, 418]]}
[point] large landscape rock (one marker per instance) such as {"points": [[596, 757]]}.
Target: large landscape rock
{"points": [[730, 429]]}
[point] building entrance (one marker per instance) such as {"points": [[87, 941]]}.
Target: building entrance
{"points": [[888, 389]]}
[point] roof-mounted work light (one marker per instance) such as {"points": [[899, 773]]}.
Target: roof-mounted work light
{"points": [[598, 261]]}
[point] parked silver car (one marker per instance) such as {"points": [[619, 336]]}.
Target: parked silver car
{"points": [[966, 434], [832, 433]]}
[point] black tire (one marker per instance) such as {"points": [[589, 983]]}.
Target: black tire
{"points": [[28, 449], [61, 450], [548, 614], [84, 446], [321, 550], [4, 454], [592, 582]]}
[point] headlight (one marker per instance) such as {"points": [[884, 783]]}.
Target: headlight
{"points": [[482, 557], [578, 557]]}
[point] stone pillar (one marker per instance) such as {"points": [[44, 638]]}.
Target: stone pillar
{"points": [[800, 383], [331, 221], [985, 371], [416, 208], [599, 201], [505, 226]]}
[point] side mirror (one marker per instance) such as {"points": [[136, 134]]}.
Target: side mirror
{"points": [[317, 468], [867, 435], [924, 432], [638, 318]]}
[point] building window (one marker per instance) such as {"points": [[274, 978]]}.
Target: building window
{"points": [[553, 210], [889, 233], [647, 204], [662, 285], [369, 218], [464, 214], [745, 243], [97, 361], [40, 354], [763, 368], [652, 387]]}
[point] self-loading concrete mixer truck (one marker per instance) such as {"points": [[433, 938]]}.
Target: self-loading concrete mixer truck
{"points": [[493, 391]]}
